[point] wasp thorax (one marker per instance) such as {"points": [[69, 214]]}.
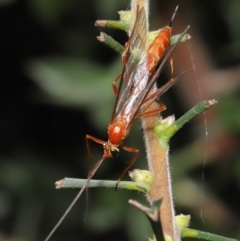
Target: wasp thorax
{"points": [[116, 132]]}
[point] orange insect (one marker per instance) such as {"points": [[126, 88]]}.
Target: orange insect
{"points": [[140, 71]]}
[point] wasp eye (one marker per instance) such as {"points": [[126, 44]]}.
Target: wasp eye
{"points": [[114, 152]]}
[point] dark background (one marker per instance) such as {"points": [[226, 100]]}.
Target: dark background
{"points": [[55, 87]]}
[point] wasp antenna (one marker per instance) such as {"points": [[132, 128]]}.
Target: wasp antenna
{"points": [[173, 16], [85, 186]]}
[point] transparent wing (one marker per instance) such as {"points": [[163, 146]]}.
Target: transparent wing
{"points": [[135, 69], [139, 101], [147, 100], [136, 80]]}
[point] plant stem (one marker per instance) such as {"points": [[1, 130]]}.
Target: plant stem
{"points": [[79, 183], [191, 233], [158, 164], [166, 134], [110, 42], [157, 156]]}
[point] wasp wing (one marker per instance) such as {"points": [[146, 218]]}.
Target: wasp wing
{"points": [[134, 73], [148, 100]]}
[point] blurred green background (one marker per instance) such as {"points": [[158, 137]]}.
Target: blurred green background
{"points": [[56, 88]]}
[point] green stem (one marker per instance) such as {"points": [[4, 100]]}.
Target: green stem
{"points": [[167, 133], [110, 42], [111, 24], [175, 38], [79, 183], [116, 46], [191, 233]]}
